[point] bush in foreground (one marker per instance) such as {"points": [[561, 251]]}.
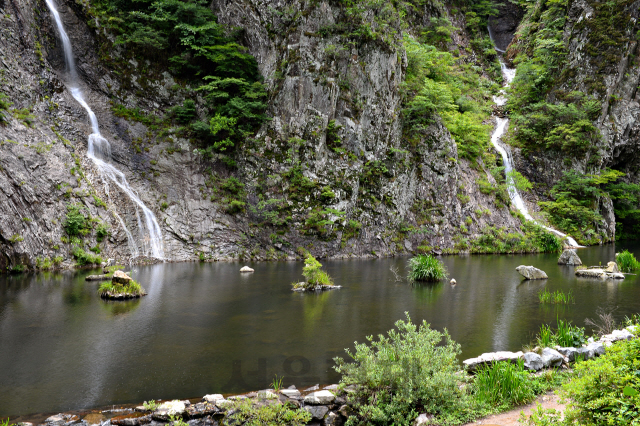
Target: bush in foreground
{"points": [[243, 412], [412, 370], [504, 383], [425, 267]]}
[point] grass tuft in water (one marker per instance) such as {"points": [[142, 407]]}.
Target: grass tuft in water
{"points": [[425, 267], [627, 261], [131, 289], [556, 297]]}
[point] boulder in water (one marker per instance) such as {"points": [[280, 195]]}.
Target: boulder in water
{"points": [[599, 273], [246, 269], [531, 273], [569, 257], [612, 267], [120, 277]]}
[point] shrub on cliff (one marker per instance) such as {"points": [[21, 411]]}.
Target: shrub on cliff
{"points": [[412, 370], [425, 267]]}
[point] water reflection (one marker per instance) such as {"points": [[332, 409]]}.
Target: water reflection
{"points": [[206, 328]]}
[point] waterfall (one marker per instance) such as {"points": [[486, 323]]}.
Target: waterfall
{"points": [[99, 151], [504, 150]]}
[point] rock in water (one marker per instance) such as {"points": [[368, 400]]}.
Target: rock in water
{"points": [[531, 273], [612, 267], [569, 257], [246, 269], [121, 278]]}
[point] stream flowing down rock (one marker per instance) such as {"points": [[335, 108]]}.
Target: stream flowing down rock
{"points": [[569, 257], [531, 273], [489, 358]]}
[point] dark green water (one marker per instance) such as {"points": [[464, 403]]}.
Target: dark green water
{"points": [[206, 328]]}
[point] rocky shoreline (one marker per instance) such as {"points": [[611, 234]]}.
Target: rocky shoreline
{"points": [[327, 405]]}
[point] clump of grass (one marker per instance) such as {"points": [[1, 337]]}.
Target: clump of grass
{"points": [[627, 261], [425, 267], [132, 289], [504, 383], [565, 335], [556, 297], [84, 258]]}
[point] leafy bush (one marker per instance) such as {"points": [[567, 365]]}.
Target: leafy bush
{"points": [[627, 261], [313, 272], [412, 370], [84, 258], [75, 222], [425, 267], [606, 390], [504, 384], [274, 414]]}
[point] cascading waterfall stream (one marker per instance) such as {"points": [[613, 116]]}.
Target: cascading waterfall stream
{"points": [[99, 151], [504, 150]]}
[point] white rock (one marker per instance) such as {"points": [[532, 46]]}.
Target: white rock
{"points": [[491, 357], [213, 398], [322, 397], [597, 348], [423, 420], [290, 392], [266, 394], [172, 407], [246, 269]]}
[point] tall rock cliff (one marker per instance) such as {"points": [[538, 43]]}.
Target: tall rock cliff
{"points": [[330, 172]]}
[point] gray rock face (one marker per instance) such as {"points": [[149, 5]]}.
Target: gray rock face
{"points": [[551, 358], [569, 353], [531, 273], [569, 257], [317, 411], [533, 361]]}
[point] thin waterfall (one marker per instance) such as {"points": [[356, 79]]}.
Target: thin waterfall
{"points": [[99, 151], [505, 151]]}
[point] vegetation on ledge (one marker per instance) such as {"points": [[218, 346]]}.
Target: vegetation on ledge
{"points": [[316, 278]]}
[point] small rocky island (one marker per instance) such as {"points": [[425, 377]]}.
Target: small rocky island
{"points": [[121, 287], [316, 278]]}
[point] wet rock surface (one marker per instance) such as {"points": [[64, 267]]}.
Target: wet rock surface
{"points": [[569, 257], [531, 273]]}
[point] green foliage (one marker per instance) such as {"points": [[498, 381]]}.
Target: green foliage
{"points": [[84, 258], [15, 238], [132, 288], [565, 335], [184, 37], [425, 267], [186, 112], [44, 263], [4, 106], [151, 405], [276, 383], [535, 239], [102, 232], [313, 272], [556, 297], [437, 86], [605, 390], [574, 209], [504, 384], [410, 371], [627, 261], [76, 222], [272, 414]]}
